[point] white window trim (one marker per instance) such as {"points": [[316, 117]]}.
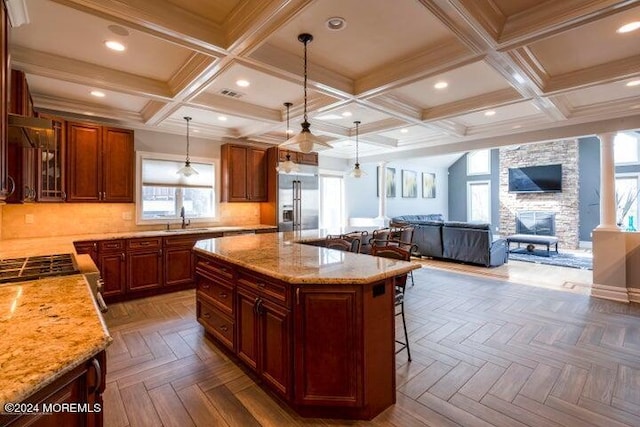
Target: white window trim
{"points": [[469, 184], [635, 175], [176, 157], [488, 170]]}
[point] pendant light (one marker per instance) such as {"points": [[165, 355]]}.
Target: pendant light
{"points": [[305, 141], [187, 170], [356, 172], [288, 166]]}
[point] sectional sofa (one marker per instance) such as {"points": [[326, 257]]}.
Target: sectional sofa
{"points": [[457, 241]]}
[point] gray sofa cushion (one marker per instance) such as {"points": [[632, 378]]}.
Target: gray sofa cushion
{"points": [[416, 218], [475, 225]]}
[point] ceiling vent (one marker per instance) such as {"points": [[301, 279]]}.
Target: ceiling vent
{"points": [[231, 93]]}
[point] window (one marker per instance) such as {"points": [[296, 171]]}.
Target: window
{"points": [[479, 201], [625, 148], [627, 199], [162, 193], [331, 202], [479, 162]]}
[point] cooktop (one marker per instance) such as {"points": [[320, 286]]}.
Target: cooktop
{"points": [[37, 267]]}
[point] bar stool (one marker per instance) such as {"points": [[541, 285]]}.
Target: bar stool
{"points": [[395, 252]]}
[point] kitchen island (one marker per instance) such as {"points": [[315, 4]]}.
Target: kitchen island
{"points": [[53, 339], [315, 326]]}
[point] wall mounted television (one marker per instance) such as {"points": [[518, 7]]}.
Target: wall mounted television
{"points": [[536, 179]]}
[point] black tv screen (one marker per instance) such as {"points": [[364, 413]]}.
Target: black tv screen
{"points": [[536, 179]]}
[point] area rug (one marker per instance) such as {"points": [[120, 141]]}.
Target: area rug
{"points": [[561, 259]]}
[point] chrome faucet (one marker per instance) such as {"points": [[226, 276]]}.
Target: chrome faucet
{"points": [[184, 224]]}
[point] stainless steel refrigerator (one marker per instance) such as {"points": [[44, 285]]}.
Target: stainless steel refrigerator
{"points": [[298, 199]]}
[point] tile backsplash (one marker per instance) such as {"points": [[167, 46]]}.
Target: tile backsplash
{"points": [[59, 219]]}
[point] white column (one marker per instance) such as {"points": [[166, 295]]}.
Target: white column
{"points": [[607, 183], [382, 185]]}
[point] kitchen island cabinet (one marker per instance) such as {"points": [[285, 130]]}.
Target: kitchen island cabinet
{"points": [[330, 311], [54, 341]]}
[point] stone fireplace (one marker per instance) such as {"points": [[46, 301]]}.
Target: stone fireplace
{"points": [[563, 207], [539, 223]]}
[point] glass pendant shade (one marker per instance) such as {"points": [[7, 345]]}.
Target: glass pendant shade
{"points": [[187, 170], [356, 172], [305, 141], [288, 166]]}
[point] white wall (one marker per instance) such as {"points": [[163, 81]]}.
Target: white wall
{"points": [[362, 201]]}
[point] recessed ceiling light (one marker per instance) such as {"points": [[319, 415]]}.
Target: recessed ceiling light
{"points": [[516, 127], [404, 130], [289, 131], [633, 83], [627, 28], [490, 113], [347, 114], [114, 45], [441, 85], [97, 94], [242, 83], [196, 131], [222, 118], [336, 23]]}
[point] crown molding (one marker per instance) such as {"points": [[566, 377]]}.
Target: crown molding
{"points": [[235, 107], [150, 110], [433, 61], [284, 64], [553, 17], [599, 74], [395, 106], [160, 19], [188, 78], [484, 16], [71, 70], [83, 108], [476, 103]]}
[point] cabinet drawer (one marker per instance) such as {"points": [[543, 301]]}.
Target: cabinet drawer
{"points": [[216, 323], [215, 268], [221, 293], [277, 292], [111, 245], [145, 243]]}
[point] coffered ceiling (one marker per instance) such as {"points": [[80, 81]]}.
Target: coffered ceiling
{"points": [[515, 70]]}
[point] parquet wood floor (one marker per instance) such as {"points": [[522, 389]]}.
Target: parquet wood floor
{"points": [[485, 352]]}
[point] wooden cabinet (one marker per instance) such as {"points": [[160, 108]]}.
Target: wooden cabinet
{"points": [[50, 161], [244, 173], [100, 163], [327, 350], [144, 264], [112, 266], [297, 157], [21, 168], [6, 184], [83, 386], [20, 101], [87, 247]]}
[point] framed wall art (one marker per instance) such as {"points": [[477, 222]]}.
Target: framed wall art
{"points": [[391, 182], [409, 183], [428, 185]]}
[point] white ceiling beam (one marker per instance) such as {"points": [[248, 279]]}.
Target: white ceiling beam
{"points": [[52, 103], [469, 105], [235, 107]]}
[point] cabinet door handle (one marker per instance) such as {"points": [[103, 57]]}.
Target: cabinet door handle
{"points": [[98, 369], [259, 310], [206, 315], [63, 194], [206, 286], [298, 296], [159, 252], [122, 256], [224, 328], [144, 243], [261, 284], [95, 246], [255, 306], [223, 295]]}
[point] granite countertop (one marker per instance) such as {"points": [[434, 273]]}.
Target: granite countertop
{"points": [[13, 248], [284, 256], [47, 328]]}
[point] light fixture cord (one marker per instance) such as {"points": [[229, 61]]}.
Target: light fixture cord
{"points": [[357, 159], [305, 81], [288, 105], [188, 119]]}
